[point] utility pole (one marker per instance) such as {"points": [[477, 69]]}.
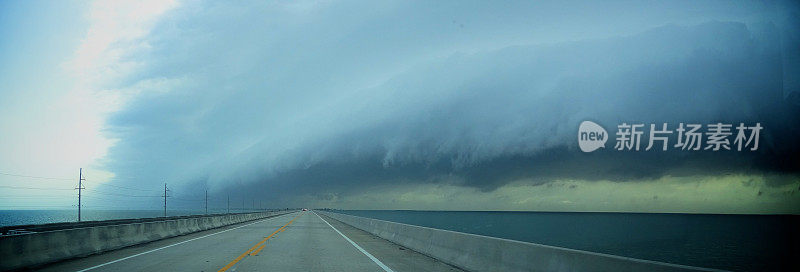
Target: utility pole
{"points": [[165, 199], [80, 187], [206, 201]]}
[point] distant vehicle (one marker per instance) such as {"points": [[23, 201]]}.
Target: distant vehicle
{"points": [[305, 210]]}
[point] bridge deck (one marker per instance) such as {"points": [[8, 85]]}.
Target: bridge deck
{"points": [[302, 241]]}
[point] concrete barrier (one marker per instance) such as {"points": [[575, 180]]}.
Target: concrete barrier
{"points": [[482, 253], [31, 249], [17, 229]]}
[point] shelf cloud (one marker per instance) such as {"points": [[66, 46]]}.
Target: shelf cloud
{"points": [[327, 101]]}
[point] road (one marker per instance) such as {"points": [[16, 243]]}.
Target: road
{"points": [[301, 241]]}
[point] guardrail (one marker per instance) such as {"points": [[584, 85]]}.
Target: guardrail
{"points": [[18, 229], [37, 248], [482, 253]]}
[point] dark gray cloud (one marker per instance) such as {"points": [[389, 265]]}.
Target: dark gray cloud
{"points": [[311, 101]]}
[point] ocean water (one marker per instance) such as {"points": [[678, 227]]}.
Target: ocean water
{"points": [[26, 217], [730, 242]]}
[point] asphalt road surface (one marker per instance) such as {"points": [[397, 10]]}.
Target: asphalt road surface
{"points": [[301, 241]]}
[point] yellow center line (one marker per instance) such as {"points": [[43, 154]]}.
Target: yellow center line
{"points": [[258, 250], [256, 247]]}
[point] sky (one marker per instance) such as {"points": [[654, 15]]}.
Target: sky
{"points": [[428, 105]]}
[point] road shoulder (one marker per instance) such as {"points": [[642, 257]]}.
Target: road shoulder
{"points": [[77, 264], [396, 257]]}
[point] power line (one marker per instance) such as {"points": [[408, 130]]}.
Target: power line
{"points": [[36, 206], [110, 196], [33, 188], [36, 177], [183, 199], [125, 195], [114, 200], [33, 197], [123, 187], [55, 178]]}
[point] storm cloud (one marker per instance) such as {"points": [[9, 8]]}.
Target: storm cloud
{"points": [[329, 99]]}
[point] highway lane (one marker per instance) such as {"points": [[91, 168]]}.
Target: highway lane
{"points": [[301, 241], [308, 244]]}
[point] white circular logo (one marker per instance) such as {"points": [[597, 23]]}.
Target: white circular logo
{"points": [[591, 136]]}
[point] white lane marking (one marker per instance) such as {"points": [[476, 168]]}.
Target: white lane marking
{"points": [[378, 262], [172, 245]]}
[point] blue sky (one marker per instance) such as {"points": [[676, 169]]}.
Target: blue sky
{"points": [[389, 104], [53, 116], [37, 37]]}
